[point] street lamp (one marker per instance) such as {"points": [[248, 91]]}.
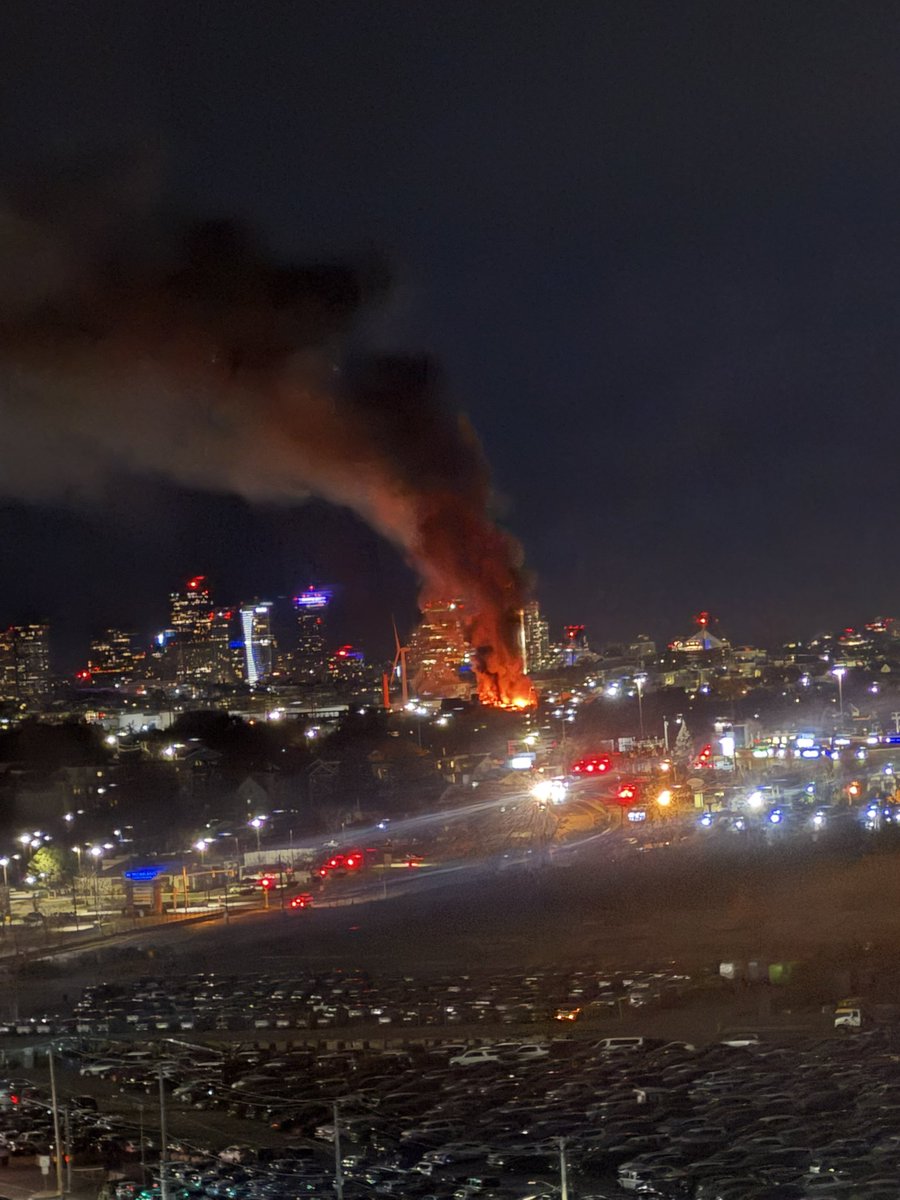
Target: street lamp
{"points": [[257, 823], [839, 673], [639, 681], [96, 853], [4, 863], [202, 845]]}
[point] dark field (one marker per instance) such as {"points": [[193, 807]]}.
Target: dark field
{"points": [[694, 905]]}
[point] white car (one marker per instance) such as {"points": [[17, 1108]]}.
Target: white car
{"points": [[618, 1043], [99, 1068], [529, 1051], [742, 1039], [469, 1058]]}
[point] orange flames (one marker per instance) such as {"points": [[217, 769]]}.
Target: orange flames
{"points": [[502, 682]]}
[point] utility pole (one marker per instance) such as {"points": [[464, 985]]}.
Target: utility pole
{"points": [[563, 1171], [163, 1142], [57, 1140], [68, 1129], [338, 1170]]}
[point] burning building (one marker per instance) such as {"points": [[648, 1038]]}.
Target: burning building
{"points": [[439, 656], [189, 352]]}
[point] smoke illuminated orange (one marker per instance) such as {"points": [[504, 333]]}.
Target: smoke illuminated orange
{"points": [[199, 358]]}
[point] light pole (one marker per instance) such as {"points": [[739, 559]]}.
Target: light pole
{"points": [[202, 846], [96, 853], [7, 907], [257, 824], [563, 1171], [839, 673], [639, 681]]}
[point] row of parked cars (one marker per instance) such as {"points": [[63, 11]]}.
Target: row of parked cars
{"points": [[738, 1119], [340, 999]]}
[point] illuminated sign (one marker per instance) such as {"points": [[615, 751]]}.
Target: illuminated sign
{"points": [[521, 762], [637, 814], [312, 599], [143, 875]]}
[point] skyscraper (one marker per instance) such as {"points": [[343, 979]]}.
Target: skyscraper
{"points": [[220, 659], [201, 636], [347, 668], [536, 638], [113, 658], [259, 645], [25, 662], [310, 657]]}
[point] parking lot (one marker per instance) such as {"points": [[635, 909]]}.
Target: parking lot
{"points": [[453, 1120], [252, 1067]]}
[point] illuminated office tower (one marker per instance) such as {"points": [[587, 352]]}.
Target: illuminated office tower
{"points": [[220, 657], [191, 609], [25, 668], [259, 645], [310, 656], [200, 642], [347, 668], [113, 658], [536, 638]]}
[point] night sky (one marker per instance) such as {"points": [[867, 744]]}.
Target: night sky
{"points": [[655, 246]]}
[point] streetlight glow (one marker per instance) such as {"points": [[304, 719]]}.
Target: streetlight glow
{"points": [[639, 681], [257, 824], [839, 673]]}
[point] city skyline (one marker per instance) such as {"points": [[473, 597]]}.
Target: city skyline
{"points": [[300, 626], [649, 357]]}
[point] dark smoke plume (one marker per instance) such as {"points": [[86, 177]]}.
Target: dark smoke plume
{"points": [[189, 353]]}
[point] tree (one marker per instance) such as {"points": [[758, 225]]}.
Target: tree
{"points": [[49, 862]]}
